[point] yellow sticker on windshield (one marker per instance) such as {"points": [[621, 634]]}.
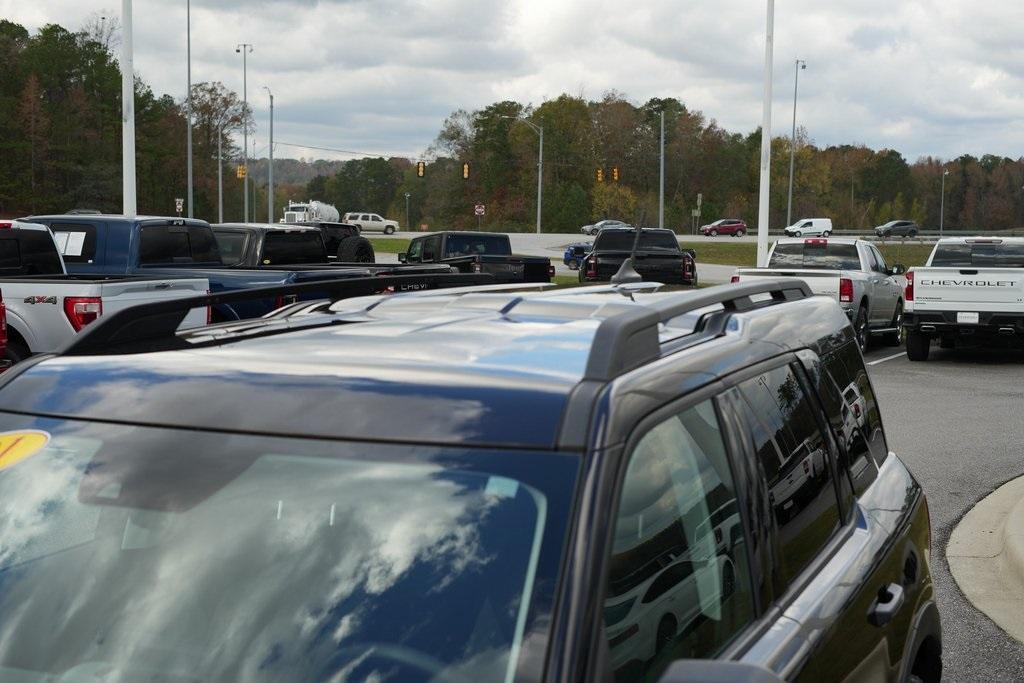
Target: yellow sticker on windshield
{"points": [[19, 445]]}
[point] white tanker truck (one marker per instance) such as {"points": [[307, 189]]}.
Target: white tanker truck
{"points": [[310, 212]]}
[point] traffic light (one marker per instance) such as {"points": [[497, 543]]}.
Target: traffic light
{"points": [[465, 171], [240, 171], [615, 174], [421, 169], [600, 175]]}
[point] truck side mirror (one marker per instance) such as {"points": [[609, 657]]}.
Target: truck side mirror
{"points": [[897, 269], [402, 257]]}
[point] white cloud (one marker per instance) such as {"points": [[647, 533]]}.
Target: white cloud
{"points": [[381, 75]]}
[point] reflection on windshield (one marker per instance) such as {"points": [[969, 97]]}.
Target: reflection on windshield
{"points": [[623, 240], [825, 257], [1000, 255], [121, 555]]}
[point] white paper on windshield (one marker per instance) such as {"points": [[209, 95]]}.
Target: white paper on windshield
{"points": [[76, 240], [61, 238]]}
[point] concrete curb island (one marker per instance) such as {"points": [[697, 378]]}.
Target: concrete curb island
{"points": [[986, 556]]}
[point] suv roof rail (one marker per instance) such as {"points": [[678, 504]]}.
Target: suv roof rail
{"points": [[626, 341], [159, 321]]}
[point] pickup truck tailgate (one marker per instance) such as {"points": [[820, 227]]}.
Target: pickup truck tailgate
{"points": [[823, 282], [120, 295], [968, 289]]}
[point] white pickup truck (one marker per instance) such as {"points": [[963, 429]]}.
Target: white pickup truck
{"points": [[971, 291], [46, 307], [850, 271]]}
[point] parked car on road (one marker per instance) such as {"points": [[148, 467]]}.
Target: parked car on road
{"points": [[852, 272], [371, 222], [597, 227], [543, 504], [724, 226], [575, 253], [819, 227], [897, 229], [479, 252], [970, 292], [656, 257]]}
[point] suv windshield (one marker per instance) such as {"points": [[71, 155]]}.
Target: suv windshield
{"points": [[467, 245], [820, 254], [293, 246], [993, 255], [622, 240], [271, 559]]}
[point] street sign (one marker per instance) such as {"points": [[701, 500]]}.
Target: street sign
{"points": [[479, 210], [240, 172], [695, 213], [700, 198], [179, 204]]}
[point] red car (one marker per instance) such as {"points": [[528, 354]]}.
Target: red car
{"points": [[724, 226]]}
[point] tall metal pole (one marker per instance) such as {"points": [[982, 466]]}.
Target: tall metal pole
{"points": [[408, 221], [540, 175], [188, 100], [220, 174], [127, 113], [270, 170], [942, 203], [766, 141], [800, 64], [661, 177], [245, 49]]}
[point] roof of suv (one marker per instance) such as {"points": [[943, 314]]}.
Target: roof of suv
{"points": [[443, 366]]}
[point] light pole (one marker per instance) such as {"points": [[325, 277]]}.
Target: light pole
{"points": [[800, 64], [127, 113], [220, 173], [245, 49], [188, 100], [540, 163], [270, 169], [766, 141], [942, 203], [661, 176], [408, 221]]}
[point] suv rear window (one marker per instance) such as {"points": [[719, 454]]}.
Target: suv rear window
{"points": [[177, 244], [286, 247], [992, 255], [465, 245], [815, 254], [622, 240]]}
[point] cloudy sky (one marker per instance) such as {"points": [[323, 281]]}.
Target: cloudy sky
{"points": [[924, 77]]}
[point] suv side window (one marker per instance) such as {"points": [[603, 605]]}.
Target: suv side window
{"points": [[879, 261], [844, 365], [415, 254], [679, 580], [76, 243], [376, 219], [795, 460], [431, 247]]}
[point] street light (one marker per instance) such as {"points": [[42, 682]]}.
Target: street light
{"points": [[942, 203], [408, 221], [661, 176], [270, 170], [766, 141], [245, 49], [188, 99], [540, 162], [800, 64], [128, 205]]}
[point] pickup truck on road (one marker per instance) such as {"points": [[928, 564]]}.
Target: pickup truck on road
{"points": [[971, 290], [479, 252], [656, 257], [46, 307], [850, 271]]}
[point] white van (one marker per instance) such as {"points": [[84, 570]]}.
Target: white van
{"points": [[817, 227]]}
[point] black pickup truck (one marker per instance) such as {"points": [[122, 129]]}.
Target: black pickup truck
{"points": [[656, 257], [479, 252]]}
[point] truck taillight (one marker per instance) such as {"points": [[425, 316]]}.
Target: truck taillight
{"points": [[816, 242], [592, 266], [82, 310], [734, 279], [845, 290], [687, 269], [551, 271], [908, 291]]}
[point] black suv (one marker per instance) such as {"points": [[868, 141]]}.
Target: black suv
{"points": [[482, 484]]}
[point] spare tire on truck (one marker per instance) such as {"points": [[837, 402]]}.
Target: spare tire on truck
{"points": [[355, 249]]}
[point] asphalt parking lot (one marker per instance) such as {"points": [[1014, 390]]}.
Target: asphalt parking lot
{"points": [[958, 422]]}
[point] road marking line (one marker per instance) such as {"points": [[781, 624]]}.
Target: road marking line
{"points": [[882, 360]]}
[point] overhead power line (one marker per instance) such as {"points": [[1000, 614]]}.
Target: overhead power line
{"points": [[346, 151]]}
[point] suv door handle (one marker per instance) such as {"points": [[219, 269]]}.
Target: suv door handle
{"points": [[886, 605]]}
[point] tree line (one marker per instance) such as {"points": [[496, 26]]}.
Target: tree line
{"points": [[60, 142]]}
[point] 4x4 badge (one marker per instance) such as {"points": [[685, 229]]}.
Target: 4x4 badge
{"points": [[41, 300]]}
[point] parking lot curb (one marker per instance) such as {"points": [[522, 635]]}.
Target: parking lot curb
{"points": [[986, 556]]}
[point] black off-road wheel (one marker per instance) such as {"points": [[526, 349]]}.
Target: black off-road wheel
{"points": [[356, 250]]}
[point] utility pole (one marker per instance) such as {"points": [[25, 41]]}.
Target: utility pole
{"points": [[270, 170], [766, 141], [539, 130], [129, 208], [220, 174], [800, 64], [188, 100], [245, 49], [661, 177]]}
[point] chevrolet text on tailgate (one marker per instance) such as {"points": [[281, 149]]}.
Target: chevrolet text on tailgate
{"points": [[971, 291], [853, 272]]}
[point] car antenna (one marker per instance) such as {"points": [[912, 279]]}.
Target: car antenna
{"points": [[627, 273]]}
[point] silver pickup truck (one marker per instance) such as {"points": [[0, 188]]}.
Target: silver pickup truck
{"points": [[850, 271]]}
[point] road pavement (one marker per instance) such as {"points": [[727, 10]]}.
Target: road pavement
{"points": [[956, 421]]}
